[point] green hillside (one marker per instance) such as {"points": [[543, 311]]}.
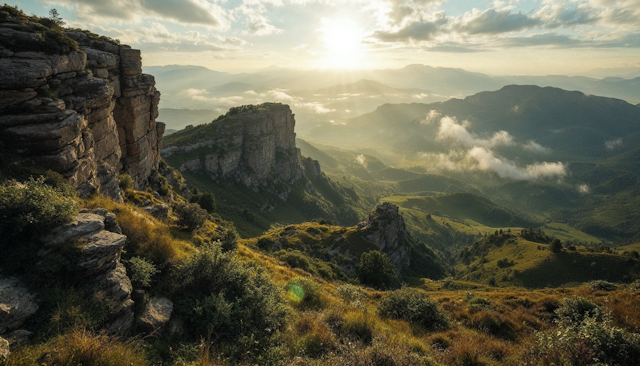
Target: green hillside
{"points": [[465, 206], [510, 259]]}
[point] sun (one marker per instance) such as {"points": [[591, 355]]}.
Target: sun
{"points": [[342, 40]]}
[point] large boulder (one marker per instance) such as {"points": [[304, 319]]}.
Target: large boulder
{"points": [[156, 315], [16, 304]]}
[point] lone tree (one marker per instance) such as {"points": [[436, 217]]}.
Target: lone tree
{"points": [[55, 17], [556, 246], [375, 270]]}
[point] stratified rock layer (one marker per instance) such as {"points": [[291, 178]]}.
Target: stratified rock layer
{"points": [[99, 260], [87, 115], [253, 147]]}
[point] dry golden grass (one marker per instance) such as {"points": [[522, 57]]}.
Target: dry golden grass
{"points": [[80, 347], [146, 235]]}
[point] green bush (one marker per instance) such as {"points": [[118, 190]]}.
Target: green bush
{"points": [[32, 208], [593, 340], [375, 270], [576, 309], [164, 190], [229, 241], [352, 295], [219, 294], [555, 246], [415, 307], [304, 293], [190, 215], [318, 267], [125, 181], [141, 271], [206, 200]]}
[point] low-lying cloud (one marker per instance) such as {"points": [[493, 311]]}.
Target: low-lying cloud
{"points": [[613, 144], [450, 129], [484, 160]]}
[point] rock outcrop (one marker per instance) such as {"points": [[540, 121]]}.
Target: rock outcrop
{"points": [[16, 304], [156, 315], [87, 114], [99, 259], [252, 145], [386, 229]]}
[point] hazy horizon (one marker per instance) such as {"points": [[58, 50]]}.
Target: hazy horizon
{"points": [[549, 37]]}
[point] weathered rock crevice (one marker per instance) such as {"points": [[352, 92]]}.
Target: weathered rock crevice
{"points": [[88, 114]]}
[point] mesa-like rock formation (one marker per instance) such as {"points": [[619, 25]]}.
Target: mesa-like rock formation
{"points": [[87, 114], [252, 145]]}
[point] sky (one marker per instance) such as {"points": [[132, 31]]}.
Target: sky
{"points": [[517, 37]]}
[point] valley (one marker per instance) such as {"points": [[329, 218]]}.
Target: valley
{"points": [[158, 214]]}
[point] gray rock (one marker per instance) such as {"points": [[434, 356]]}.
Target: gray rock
{"points": [[83, 224], [16, 304], [156, 315], [158, 211], [102, 252], [18, 337]]}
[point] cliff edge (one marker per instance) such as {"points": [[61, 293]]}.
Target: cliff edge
{"points": [[78, 104]]}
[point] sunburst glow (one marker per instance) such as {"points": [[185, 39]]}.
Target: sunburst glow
{"points": [[342, 40]]}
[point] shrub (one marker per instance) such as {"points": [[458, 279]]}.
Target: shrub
{"points": [[304, 293], [229, 241], [576, 309], [555, 246], [600, 285], [32, 208], [221, 295], [190, 215], [591, 341], [206, 200], [164, 190], [494, 323], [375, 270], [352, 295], [125, 181], [141, 271], [415, 307]]}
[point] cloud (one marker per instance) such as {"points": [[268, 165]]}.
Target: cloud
{"points": [[536, 147], [541, 39], [484, 160], [280, 95], [556, 14], [202, 95], [200, 12], [361, 159], [450, 129], [432, 117], [493, 21], [583, 188], [418, 30], [488, 161], [315, 107], [613, 144], [257, 23]]}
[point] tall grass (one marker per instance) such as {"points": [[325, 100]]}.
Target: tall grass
{"points": [[147, 236]]}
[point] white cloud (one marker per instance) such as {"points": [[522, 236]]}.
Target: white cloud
{"points": [[315, 107], [432, 117], [583, 188], [450, 129], [536, 147], [361, 159], [613, 144], [202, 95], [484, 160]]}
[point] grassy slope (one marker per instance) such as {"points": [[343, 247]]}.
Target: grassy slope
{"points": [[533, 265]]}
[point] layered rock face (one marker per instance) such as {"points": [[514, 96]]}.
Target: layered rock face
{"points": [[386, 229], [99, 259], [252, 146], [87, 115]]}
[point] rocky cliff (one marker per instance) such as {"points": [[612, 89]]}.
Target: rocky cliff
{"points": [[252, 145], [386, 229], [86, 112]]}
